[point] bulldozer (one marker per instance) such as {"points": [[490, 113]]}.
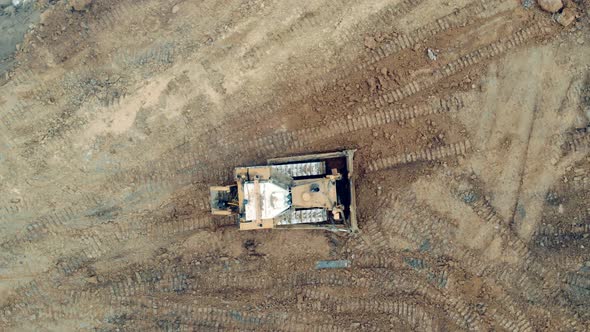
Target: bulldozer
{"points": [[313, 191]]}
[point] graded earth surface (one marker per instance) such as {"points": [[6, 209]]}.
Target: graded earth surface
{"points": [[470, 121]]}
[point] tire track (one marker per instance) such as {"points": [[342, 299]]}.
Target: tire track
{"points": [[469, 60], [114, 15], [416, 316], [445, 151], [195, 313], [564, 234], [49, 224], [459, 18], [17, 113], [438, 230], [272, 144], [476, 10], [506, 315], [578, 140], [475, 57], [458, 311], [350, 36], [94, 245]]}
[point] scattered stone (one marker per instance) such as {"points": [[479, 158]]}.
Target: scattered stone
{"points": [[81, 5], [527, 3], [431, 54], [175, 9], [10, 10], [566, 17], [45, 16], [370, 42], [372, 83], [551, 6]]}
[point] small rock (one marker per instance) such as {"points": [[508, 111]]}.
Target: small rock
{"points": [[10, 10], [43, 18], [370, 42], [566, 17], [551, 6], [80, 5], [175, 9], [527, 3], [372, 83], [580, 41], [431, 54]]}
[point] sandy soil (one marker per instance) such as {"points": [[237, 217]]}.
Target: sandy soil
{"points": [[473, 164]]}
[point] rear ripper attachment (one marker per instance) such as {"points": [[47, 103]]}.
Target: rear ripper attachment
{"points": [[314, 191]]}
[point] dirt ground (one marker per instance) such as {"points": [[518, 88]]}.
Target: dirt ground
{"points": [[471, 121]]}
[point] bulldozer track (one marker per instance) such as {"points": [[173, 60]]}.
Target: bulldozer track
{"points": [[563, 235], [17, 113], [349, 37], [465, 61], [158, 53], [484, 53], [458, 18], [269, 145], [51, 223], [445, 151], [234, 319], [413, 315], [581, 181], [507, 315], [433, 227], [514, 319], [115, 15], [578, 140], [109, 214], [97, 240], [463, 16], [13, 209], [580, 281], [450, 69], [479, 204], [457, 310]]}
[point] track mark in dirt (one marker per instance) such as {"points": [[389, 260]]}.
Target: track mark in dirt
{"points": [[516, 207], [445, 151]]}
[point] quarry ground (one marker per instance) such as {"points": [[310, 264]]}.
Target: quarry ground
{"points": [[470, 120]]}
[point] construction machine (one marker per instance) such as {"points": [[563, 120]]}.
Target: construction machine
{"points": [[313, 191]]}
